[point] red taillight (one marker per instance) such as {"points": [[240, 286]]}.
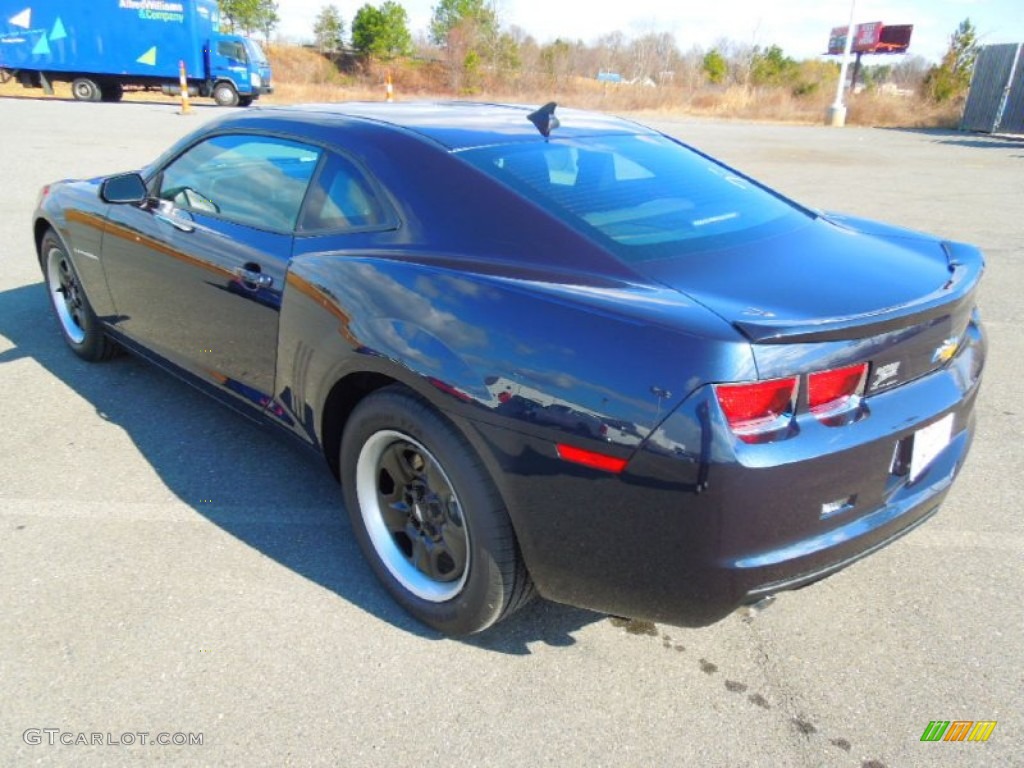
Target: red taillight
{"points": [[591, 458], [757, 407], [835, 391]]}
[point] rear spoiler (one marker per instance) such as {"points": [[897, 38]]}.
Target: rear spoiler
{"points": [[966, 265]]}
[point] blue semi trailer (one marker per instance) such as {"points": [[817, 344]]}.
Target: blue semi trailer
{"points": [[103, 47]]}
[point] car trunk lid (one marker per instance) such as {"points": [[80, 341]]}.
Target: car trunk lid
{"points": [[898, 299]]}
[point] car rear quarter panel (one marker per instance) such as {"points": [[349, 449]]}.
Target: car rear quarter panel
{"points": [[493, 348]]}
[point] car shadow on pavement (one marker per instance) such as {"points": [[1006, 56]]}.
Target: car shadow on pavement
{"points": [[254, 483]]}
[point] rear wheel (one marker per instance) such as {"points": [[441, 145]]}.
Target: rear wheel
{"points": [[84, 89], [78, 323], [112, 92], [428, 516], [225, 95]]}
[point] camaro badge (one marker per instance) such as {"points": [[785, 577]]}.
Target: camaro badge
{"points": [[946, 350], [885, 373]]}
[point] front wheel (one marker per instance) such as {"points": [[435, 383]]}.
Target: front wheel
{"points": [[428, 516], [78, 323], [225, 95]]}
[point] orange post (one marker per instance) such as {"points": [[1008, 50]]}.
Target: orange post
{"points": [[183, 80], [389, 90]]}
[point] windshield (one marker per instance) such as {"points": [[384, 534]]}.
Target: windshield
{"points": [[256, 54], [644, 197]]}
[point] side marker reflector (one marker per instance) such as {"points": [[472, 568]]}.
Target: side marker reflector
{"points": [[592, 459]]}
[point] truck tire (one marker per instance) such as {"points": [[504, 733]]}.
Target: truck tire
{"points": [[84, 89], [245, 101], [111, 92], [225, 95]]}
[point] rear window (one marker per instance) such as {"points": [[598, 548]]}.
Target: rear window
{"points": [[644, 197]]}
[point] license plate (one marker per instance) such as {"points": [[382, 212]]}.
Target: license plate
{"points": [[928, 443]]}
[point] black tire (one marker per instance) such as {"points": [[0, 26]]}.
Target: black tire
{"points": [[78, 323], [447, 497], [112, 92], [225, 95], [245, 101], [84, 89]]}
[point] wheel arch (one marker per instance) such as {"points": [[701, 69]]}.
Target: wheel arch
{"points": [[39, 229], [44, 224], [352, 388], [346, 393]]}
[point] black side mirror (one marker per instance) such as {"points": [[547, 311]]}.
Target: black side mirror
{"points": [[123, 189]]}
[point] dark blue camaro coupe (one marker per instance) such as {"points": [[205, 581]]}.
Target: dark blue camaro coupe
{"points": [[565, 355]]}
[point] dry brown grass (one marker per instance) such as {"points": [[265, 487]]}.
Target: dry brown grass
{"points": [[892, 111], [303, 76]]}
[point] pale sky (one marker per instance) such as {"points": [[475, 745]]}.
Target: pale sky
{"points": [[801, 27]]}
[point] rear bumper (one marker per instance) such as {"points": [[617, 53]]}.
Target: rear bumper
{"points": [[858, 538], [700, 524]]}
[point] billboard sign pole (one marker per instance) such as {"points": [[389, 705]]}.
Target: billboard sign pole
{"points": [[836, 115]]}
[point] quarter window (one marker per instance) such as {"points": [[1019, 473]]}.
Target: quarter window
{"points": [[258, 181], [341, 199]]}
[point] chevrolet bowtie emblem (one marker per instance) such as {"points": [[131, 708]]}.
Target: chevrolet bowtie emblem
{"points": [[946, 350]]}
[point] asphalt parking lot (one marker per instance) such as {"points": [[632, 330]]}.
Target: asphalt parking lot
{"points": [[166, 567]]}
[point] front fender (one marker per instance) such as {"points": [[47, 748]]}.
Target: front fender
{"points": [[75, 212]]}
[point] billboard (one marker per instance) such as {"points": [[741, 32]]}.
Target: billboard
{"points": [[872, 37], [895, 38]]}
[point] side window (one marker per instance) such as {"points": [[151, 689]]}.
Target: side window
{"points": [[258, 181], [233, 50], [341, 198]]}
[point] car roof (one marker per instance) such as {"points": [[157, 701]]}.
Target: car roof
{"points": [[462, 124]]}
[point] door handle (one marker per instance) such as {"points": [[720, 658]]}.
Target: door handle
{"points": [[254, 278]]}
